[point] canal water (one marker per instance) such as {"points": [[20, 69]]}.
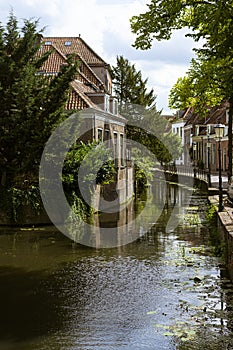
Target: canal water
{"points": [[165, 290]]}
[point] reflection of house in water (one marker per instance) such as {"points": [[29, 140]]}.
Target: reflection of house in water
{"points": [[115, 228], [91, 92]]}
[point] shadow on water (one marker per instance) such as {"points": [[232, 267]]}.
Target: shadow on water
{"points": [[31, 282], [26, 307]]}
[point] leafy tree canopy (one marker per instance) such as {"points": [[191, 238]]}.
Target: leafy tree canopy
{"points": [[211, 20], [201, 87], [212, 73]]}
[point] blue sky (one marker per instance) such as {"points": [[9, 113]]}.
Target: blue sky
{"points": [[104, 25]]}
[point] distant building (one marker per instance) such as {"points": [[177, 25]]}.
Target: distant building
{"points": [[199, 128], [178, 129]]}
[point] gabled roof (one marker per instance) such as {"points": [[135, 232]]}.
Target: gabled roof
{"points": [[81, 92], [58, 58], [69, 45], [86, 81], [217, 114], [183, 115], [214, 115]]}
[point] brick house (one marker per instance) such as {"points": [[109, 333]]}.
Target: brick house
{"points": [[91, 92], [200, 129]]}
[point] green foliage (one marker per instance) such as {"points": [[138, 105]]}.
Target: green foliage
{"points": [[202, 87], [146, 125], [14, 202], [151, 130], [97, 169], [106, 173], [201, 19], [211, 215], [181, 95], [215, 241], [142, 170], [211, 74], [96, 162], [129, 86], [31, 104]]}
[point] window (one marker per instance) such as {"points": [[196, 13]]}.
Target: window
{"points": [[122, 149], [40, 72], [100, 134], [128, 154], [48, 43], [114, 105], [106, 103], [68, 43], [227, 116], [116, 147], [107, 137]]}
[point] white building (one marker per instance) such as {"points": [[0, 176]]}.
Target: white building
{"points": [[178, 129]]}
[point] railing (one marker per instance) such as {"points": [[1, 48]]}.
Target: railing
{"points": [[187, 171]]}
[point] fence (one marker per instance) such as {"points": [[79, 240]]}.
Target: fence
{"points": [[187, 171]]}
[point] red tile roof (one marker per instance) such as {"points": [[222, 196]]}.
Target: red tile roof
{"points": [[68, 45], [86, 81]]}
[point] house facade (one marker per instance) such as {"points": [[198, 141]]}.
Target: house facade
{"points": [[199, 131], [91, 93], [178, 129]]}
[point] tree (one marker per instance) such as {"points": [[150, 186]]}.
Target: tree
{"points": [[200, 88], [137, 105], [31, 104], [129, 86], [207, 20], [182, 95], [207, 83], [211, 20]]}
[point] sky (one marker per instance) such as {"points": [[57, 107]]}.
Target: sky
{"points": [[104, 25]]}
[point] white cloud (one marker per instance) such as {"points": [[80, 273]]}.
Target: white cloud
{"points": [[105, 26], [46, 7]]}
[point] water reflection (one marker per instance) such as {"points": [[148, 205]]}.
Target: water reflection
{"points": [[26, 309], [123, 224], [56, 294]]}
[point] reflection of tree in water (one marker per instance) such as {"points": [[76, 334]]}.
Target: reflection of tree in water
{"points": [[26, 308], [36, 305]]}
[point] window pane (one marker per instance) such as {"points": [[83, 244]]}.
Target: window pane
{"points": [[100, 134], [116, 148], [122, 149]]}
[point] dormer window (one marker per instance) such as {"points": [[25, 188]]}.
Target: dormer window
{"points": [[48, 43], [68, 43]]}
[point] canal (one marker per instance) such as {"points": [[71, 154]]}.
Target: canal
{"points": [[165, 290]]}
